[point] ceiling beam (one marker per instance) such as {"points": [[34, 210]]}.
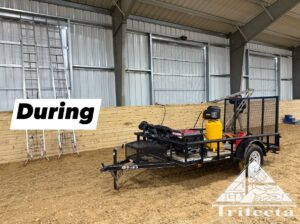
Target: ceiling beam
{"points": [[191, 12], [264, 4], [263, 20], [260, 2], [247, 32], [295, 15], [124, 7]]}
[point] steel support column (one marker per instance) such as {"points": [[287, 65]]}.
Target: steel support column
{"points": [[119, 41], [120, 13], [237, 52], [296, 73], [247, 32]]}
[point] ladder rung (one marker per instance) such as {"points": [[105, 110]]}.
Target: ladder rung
{"points": [[30, 69], [29, 45], [31, 88], [26, 29], [26, 26], [55, 46], [59, 69], [31, 79], [59, 79], [54, 38], [29, 52], [56, 55], [53, 29], [26, 37]]}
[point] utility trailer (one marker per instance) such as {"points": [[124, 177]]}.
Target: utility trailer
{"points": [[159, 146]]}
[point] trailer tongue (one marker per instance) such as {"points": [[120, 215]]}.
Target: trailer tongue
{"points": [[158, 146]]}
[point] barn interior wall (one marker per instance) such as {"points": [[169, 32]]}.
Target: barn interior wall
{"points": [[93, 64]]}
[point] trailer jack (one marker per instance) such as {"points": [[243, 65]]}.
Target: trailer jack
{"points": [[115, 176]]}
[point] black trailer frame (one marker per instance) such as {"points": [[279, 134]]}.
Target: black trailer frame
{"points": [[158, 152]]}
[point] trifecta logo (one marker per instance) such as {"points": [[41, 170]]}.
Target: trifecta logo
{"points": [[55, 114]]}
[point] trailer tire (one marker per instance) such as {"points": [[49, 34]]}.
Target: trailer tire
{"points": [[253, 152]]}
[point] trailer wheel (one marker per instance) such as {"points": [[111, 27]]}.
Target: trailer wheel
{"points": [[253, 153]]}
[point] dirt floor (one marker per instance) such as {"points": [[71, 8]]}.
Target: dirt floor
{"points": [[72, 190]]}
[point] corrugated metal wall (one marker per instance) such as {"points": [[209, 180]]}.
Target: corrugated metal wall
{"points": [[267, 49], [137, 80], [10, 64], [11, 85], [178, 73], [263, 75], [286, 78], [92, 51], [284, 68], [54, 10], [219, 72], [92, 48], [94, 69]]}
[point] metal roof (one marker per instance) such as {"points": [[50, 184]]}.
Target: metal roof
{"points": [[220, 16]]}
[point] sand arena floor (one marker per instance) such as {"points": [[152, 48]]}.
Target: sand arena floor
{"points": [[72, 190]]}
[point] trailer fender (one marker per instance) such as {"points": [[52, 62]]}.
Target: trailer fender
{"points": [[244, 146]]}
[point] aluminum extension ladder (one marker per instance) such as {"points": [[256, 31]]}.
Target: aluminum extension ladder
{"points": [[59, 81], [35, 139]]}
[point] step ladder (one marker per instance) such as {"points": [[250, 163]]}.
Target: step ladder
{"points": [[60, 82], [35, 139]]}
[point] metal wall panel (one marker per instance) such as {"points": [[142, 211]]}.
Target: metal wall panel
{"points": [[286, 89], [54, 10], [286, 78], [219, 72], [95, 84], [10, 87], [268, 49], [11, 76], [92, 46], [263, 75], [286, 67], [179, 73], [92, 49], [137, 88], [137, 80], [137, 51]]}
